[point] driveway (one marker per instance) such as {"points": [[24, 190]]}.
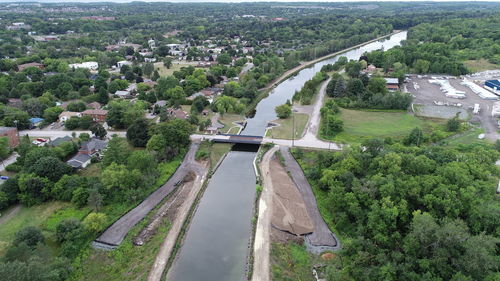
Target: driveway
{"points": [[11, 159]]}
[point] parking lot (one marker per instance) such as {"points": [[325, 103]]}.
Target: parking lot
{"points": [[432, 102]]}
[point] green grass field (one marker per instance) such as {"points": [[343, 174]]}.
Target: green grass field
{"points": [[228, 119], [468, 137], [480, 65], [175, 67], [284, 131], [28, 216], [360, 125]]}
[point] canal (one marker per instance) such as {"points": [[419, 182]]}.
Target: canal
{"points": [[216, 244]]}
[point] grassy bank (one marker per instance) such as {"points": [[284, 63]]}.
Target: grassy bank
{"points": [[360, 125], [285, 128]]}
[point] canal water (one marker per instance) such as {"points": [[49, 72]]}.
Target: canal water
{"points": [[216, 244]]}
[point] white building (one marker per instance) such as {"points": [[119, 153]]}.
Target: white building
{"points": [[122, 63], [91, 65]]}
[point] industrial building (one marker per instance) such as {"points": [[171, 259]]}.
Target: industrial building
{"points": [[493, 85]]}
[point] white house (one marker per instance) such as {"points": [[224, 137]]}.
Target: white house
{"points": [[65, 115], [91, 65], [122, 63]]}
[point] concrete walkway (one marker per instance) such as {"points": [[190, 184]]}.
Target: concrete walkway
{"points": [[115, 234], [261, 248], [11, 159], [322, 239]]}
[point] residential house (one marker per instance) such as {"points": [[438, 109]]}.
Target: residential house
{"points": [[35, 122], [392, 84], [12, 134], [122, 63], [91, 65], [94, 105], [66, 115], [177, 113], [88, 149], [98, 115], [123, 94], [59, 141]]}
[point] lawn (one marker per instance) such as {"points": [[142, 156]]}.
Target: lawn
{"points": [[360, 125], [176, 65], [216, 150], [468, 137], [284, 130], [28, 216], [228, 119], [480, 65]]}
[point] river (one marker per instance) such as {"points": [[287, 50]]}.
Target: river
{"points": [[216, 244]]}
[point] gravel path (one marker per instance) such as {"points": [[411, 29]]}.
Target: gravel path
{"points": [[261, 248], [168, 244], [115, 234], [322, 238]]}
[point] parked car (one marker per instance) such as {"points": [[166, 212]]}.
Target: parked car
{"points": [[4, 177]]}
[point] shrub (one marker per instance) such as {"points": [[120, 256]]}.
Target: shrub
{"points": [[30, 235]]}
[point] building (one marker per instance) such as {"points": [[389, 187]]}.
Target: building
{"points": [[91, 65], [18, 26], [59, 141], [35, 122], [94, 105], [98, 115], [123, 94], [392, 84], [122, 63], [66, 115], [493, 85], [22, 67], [12, 134], [88, 149], [177, 113]]}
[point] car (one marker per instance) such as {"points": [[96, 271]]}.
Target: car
{"points": [[4, 177]]}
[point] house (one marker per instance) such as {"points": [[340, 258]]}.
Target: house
{"points": [[122, 63], [36, 121], [66, 115], [91, 65], [17, 103], [392, 84], [94, 105], [98, 115], [12, 134], [22, 67], [92, 147], [160, 103], [59, 141], [79, 161], [177, 113], [123, 94]]}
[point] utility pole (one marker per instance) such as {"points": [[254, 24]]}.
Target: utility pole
{"points": [[293, 128]]}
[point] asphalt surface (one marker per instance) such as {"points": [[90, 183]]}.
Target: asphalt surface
{"points": [[322, 238], [115, 234]]}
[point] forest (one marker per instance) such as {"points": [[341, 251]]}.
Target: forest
{"points": [[409, 212]]}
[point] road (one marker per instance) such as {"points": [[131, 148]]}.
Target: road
{"points": [[322, 238], [11, 159], [261, 248], [115, 234], [61, 133]]}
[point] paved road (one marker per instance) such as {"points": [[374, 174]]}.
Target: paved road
{"points": [[59, 133], [115, 234], [261, 248], [322, 238], [11, 159]]}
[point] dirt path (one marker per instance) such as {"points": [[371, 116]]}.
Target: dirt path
{"points": [[261, 249], [4, 217], [322, 238], [115, 234], [167, 246]]}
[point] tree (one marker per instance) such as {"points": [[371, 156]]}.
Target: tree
{"points": [[84, 136], [416, 137], [30, 235], [137, 133], [169, 138], [340, 88], [421, 66], [332, 125], [76, 106], [117, 151], [72, 123], [283, 111], [68, 230], [224, 58], [155, 76], [95, 222], [4, 148], [148, 69], [50, 167], [103, 96], [98, 130], [64, 188], [453, 124], [377, 85], [51, 114], [167, 62], [143, 161]]}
